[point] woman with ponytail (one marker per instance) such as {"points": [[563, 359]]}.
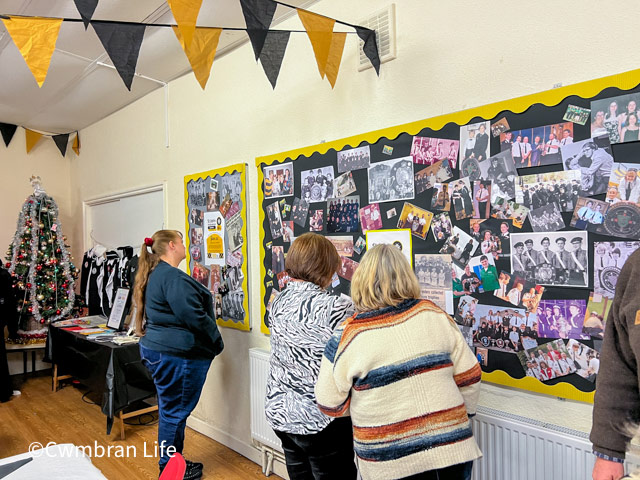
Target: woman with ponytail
{"points": [[174, 315]]}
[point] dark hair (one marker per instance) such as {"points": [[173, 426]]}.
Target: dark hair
{"points": [[312, 258]]}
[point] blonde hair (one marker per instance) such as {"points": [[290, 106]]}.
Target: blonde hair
{"points": [[312, 258], [147, 262], [384, 278]]}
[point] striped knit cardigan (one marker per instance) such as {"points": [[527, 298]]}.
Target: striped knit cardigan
{"points": [[409, 382]]}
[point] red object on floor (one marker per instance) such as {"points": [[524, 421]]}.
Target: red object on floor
{"points": [[176, 466]]}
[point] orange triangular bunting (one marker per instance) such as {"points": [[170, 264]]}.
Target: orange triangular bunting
{"points": [[76, 144], [335, 57], [320, 32], [186, 14], [36, 39], [201, 52], [32, 138]]}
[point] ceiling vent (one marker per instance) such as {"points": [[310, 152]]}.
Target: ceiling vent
{"points": [[384, 23]]}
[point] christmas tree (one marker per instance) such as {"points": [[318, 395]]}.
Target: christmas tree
{"points": [[43, 275]]}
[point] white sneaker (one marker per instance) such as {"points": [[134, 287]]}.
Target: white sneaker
{"points": [[16, 393]]}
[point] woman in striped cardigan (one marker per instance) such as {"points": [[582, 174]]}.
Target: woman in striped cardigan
{"points": [[401, 368]]}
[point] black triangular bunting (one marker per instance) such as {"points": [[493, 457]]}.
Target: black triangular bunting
{"points": [[258, 15], [122, 44], [86, 9], [370, 47], [7, 131], [275, 45], [62, 141]]}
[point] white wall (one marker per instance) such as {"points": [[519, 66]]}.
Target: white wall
{"points": [[451, 55]]}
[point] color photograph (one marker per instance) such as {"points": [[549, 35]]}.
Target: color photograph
{"points": [[342, 214], [440, 198], [538, 146], [561, 318], [460, 192], [416, 219], [278, 180], [460, 246], [429, 177], [474, 142], [617, 117], [427, 151]]}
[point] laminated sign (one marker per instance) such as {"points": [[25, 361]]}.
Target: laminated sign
{"points": [[214, 225]]}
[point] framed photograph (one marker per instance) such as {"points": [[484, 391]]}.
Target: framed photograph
{"points": [[316, 185], [342, 214], [427, 150], [537, 146], [562, 188], [278, 180], [400, 238], [616, 117], [594, 159], [429, 177], [354, 159], [391, 180], [551, 258], [474, 142], [119, 310], [415, 219]]}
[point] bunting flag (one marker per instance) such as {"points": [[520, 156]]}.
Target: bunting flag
{"points": [[320, 32], [36, 39], [86, 8], [272, 54], [186, 13], [122, 43], [32, 138], [201, 52], [370, 47], [62, 141], [7, 130], [76, 144], [335, 57], [258, 15]]}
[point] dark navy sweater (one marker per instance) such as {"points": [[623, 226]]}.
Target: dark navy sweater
{"points": [[180, 319]]}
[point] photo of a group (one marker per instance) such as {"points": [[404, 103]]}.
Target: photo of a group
{"points": [[417, 219], [342, 214], [391, 180], [538, 146], [427, 151], [317, 184], [608, 260], [548, 361], [546, 218], [479, 275], [616, 117], [593, 158], [561, 319], [299, 211], [498, 170], [509, 210], [278, 180], [441, 226], [562, 188], [493, 236], [474, 142], [370, 218], [354, 159], [589, 214], [432, 175], [344, 245], [434, 276], [624, 184], [344, 185]]}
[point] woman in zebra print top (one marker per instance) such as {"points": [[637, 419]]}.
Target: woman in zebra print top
{"points": [[302, 319]]}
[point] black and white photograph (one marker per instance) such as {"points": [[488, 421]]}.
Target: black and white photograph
{"points": [[434, 276], [546, 218], [493, 235], [509, 210], [608, 259], [440, 199], [562, 188], [460, 245], [196, 217], [548, 361], [278, 180], [427, 151], [617, 117], [576, 114], [231, 185], [461, 202], [481, 199], [624, 184], [551, 258], [316, 185], [300, 211], [197, 193], [234, 232], [391, 180], [232, 305], [465, 313], [428, 177], [561, 318], [342, 214], [537, 146], [441, 226], [275, 221], [498, 169], [354, 159], [589, 215], [287, 232], [594, 159], [474, 142], [344, 185]]}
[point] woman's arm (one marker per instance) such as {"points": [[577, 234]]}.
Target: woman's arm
{"points": [[333, 393], [466, 369]]}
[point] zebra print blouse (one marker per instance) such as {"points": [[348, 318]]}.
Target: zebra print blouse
{"points": [[302, 319]]}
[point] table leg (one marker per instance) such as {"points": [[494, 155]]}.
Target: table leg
{"points": [[109, 425], [121, 426], [33, 361], [24, 361]]}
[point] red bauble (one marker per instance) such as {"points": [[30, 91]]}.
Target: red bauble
{"points": [[42, 320], [38, 267], [58, 312], [8, 264], [30, 309], [28, 285]]}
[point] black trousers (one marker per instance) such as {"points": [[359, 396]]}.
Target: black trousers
{"points": [[6, 389], [461, 471], [326, 455]]}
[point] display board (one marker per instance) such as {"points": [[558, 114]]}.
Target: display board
{"points": [[216, 226]]}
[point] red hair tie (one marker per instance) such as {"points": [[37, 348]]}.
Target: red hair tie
{"points": [[148, 242]]}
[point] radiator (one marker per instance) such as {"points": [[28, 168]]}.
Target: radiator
{"points": [[261, 431]]}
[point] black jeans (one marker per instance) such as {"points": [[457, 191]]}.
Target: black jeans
{"points": [[326, 455], [6, 389], [461, 471]]}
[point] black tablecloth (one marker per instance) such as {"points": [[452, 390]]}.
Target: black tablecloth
{"points": [[114, 372]]}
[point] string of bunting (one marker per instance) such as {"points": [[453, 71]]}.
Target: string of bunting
{"points": [[7, 130], [36, 39]]}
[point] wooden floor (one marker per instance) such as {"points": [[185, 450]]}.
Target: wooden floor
{"points": [[39, 415]]}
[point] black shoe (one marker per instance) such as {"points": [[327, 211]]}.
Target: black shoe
{"points": [[192, 472], [195, 465]]}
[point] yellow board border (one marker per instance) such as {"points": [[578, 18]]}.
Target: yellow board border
{"points": [[590, 88], [231, 169]]}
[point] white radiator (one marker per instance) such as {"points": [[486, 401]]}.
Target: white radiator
{"points": [[258, 371]]}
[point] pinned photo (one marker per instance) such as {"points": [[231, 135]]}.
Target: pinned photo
{"points": [[235, 239], [283, 280], [416, 219], [196, 217], [344, 185], [387, 150], [519, 291], [460, 246], [348, 268], [460, 191], [344, 245], [316, 185], [287, 232], [547, 361], [196, 253], [316, 221], [434, 276], [585, 359], [200, 273], [427, 150], [299, 212], [485, 269], [275, 221], [429, 177], [561, 318], [596, 315], [493, 236], [391, 180], [196, 236], [498, 169], [589, 215], [441, 226], [474, 142], [562, 188], [360, 245], [440, 198], [213, 201], [216, 278], [272, 297], [576, 114], [390, 213], [509, 210], [277, 259], [370, 217], [594, 159], [278, 180], [546, 218], [608, 260], [354, 159], [538, 146], [481, 199], [616, 117], [500, 126], [342, 214], [624, 184]]}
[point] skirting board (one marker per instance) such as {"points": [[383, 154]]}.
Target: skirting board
{"points": [[235, 444]]}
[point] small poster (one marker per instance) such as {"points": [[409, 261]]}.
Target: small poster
{"points": [[399, 237], [214, 238]]}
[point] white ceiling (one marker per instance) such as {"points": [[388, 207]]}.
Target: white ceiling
{"points": [[78, 90]]}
